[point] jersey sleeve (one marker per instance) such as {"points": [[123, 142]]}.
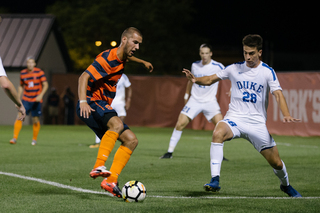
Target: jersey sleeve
{"points": [[42, 76], [224, 73], [2, 71], [273, 81], [127, 83]]}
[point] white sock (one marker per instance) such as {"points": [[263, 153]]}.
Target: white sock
{"points": [[216, 157], [282, 175], [175, 137], [97, 139]]}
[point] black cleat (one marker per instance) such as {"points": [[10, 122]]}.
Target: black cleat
{"points": [[167, 155]]}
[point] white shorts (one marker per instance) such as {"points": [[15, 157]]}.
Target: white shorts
{"points": [[193, 108], [120, 109], [256, 133]]}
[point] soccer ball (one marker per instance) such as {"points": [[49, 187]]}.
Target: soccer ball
{"points": [[134, 191]]}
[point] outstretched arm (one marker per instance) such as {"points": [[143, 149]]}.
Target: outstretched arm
{"points": [[205, 80], [9, 89], [284, 107], [146, 64]]}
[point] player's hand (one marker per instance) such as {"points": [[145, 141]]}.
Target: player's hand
{"points": [[85, 110], [22, 112], [148, 66], [38, 98], [189, 75], [289, 119]]}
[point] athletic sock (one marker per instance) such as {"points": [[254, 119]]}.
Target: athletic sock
{"points": [[16, 128], [216, 157], [106, 145], [120, 160], [36, 129], [282, 175], [175, 137]]}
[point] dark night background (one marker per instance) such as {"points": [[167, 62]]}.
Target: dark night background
{"points": [[289, 30]]}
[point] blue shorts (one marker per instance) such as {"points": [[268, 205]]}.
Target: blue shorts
{"points": [[99, 118], [34, 107]]}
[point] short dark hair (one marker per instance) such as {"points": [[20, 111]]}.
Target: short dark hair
{"points": [[129, 31], [253, 40], [206, 45]]}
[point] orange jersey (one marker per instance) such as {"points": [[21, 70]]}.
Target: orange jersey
{"points": [[105, 72], [32, 82]]}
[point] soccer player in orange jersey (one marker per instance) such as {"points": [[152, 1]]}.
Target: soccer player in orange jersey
{"points": [[33, 85], [96, 90]]}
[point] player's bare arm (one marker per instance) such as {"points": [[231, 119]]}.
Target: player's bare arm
{"points": [[128, 97], [9, 89], [205, 80], [45, 86], [85, 109], [284, 107], [146, 64], [188, 91]]}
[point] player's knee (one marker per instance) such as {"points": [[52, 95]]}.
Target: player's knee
{"points": [[182, 122], [115, 124], [131, 143], [218, 136], [117, 127]]}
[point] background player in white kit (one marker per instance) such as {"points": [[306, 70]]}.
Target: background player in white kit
{"points": [[246, 118], [121, 103], [11, 92], [202, 99]]}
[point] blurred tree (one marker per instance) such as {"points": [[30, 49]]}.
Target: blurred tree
{"points": [[168, 40]]}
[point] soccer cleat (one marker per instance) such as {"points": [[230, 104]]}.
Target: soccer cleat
{"points": [[290, 191], [213, 185], [34, 142], [167, 155], [100, 171], [13, 141], [96, 145], [225, 159], [113, 188]]}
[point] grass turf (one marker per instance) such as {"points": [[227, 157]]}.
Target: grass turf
{"points": [[173, 185]]}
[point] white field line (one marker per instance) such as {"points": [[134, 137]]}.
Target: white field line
{"points": [[289, 144], [55, 184], [59, 185]]}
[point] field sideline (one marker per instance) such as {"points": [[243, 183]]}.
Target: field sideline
{"points": [[54, 175]]}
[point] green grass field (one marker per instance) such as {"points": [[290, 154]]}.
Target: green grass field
{"points": [[173, 185]]}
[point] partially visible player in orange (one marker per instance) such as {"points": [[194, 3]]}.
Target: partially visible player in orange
{"points": [[33, 85], [96, 90]]}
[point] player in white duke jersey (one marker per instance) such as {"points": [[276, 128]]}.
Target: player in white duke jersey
{"points": [[198, 98], [246, 118], [121, 102]]}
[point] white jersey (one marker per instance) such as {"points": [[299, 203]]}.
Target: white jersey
{"points": [[122, 84], [250, 90], [2, 71], [205, 93]]}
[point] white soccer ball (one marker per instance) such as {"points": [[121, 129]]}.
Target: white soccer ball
{"points": [[134, 191]]}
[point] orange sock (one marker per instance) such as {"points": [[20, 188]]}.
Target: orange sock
{"points": [[106, 145], [16, 128], [36, 129], [120, 160]]}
